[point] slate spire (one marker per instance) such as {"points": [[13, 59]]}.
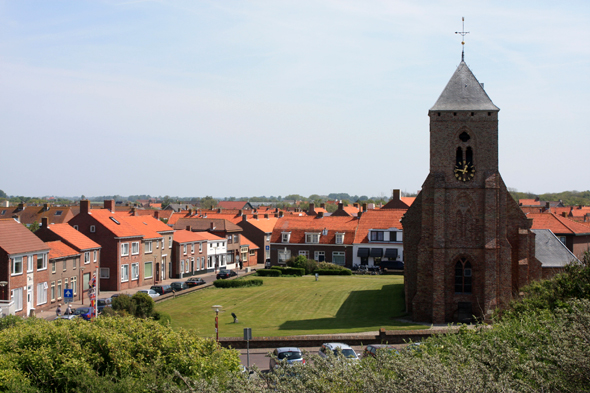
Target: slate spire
{"points": [[464, 93]]}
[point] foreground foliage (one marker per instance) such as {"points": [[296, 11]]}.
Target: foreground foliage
{"points": [[106, 355]]}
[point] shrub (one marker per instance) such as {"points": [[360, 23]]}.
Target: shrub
{"points": [[162, 318], [294, 271], [144, 305], [237, 283], [280, 268], [333, 272], [269, 273], [302, 262], [329, 266], [124, 304]]}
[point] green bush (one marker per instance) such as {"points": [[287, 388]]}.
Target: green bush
{"points": [[280, 268], [329, 266], [333, 272], [123, 304], [268, 273], [293, 271], [162, 318], [144, 305], [302, 262], [237, 283]]}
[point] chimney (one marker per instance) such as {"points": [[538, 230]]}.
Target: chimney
{"points": [[133, 211], [44, 222], [21, 206], [547, 205], [364, 207], [564, 214], [340, 206], [244, 218], [84, 206], [45, 206], [281, 214], [320, 215], [323, 205], [355, 205], [190, 212], [157, 214], [276, 215], [188, 228], [396, 195], [240, 212], [266, 216], [277, 209], [255, 216], [110, 205], [311, 209], [219, 210]]}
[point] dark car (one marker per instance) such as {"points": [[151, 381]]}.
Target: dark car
{"points": [[102, 303], [194, 281], [162, 289], [224, 273], [85, 312], [178, 286]]}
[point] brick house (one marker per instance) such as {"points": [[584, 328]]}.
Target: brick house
{"points": [[575, 235], [23, 269], [189, 253], [316, 237], [249, 251], [66, 269], [28, 215], [258, 229]]}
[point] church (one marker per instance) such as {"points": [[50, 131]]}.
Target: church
{"points": [[468, 246]]}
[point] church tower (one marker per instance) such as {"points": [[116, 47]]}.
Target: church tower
{"points": [[468, 246]]}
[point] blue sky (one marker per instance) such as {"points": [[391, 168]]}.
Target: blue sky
{"points": [[245, 98]]}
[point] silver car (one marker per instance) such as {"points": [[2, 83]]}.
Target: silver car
{"points": [[289, 355], [150, 292], [338, 349]]}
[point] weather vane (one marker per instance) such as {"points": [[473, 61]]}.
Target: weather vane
{"points": [[462, 33]]}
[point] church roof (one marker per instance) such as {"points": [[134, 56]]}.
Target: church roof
{"points": [[464, 93]]}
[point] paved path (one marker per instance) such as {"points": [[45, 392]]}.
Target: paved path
{"points": [[208, 277]]}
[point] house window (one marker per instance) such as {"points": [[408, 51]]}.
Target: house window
{"points": [[17, 265], [59, 291], [134, 248], [339, 238], [285, 237], [252, 253], [463, 276], [229, 239], [193, 248], [305, 253], [393, 236], [562, 239], [124, 249], [87, 257], [17, 297], [41, 293], [74, 263], [124, 273], [184, 249], [148, 247], [236, 238], [135, 271], [284, 255], [66, 283], [245, 254], [169, 242], [41, 261], [181, 266], [268, 238], [65, 265], [30, 265], [313, 238], [75, 285], [52, 290], [157, 244], [230, 258], [377, 236], [105, 272], [202, 262], [200, 247], [187, 267], [52, 266], [319, 256], [209, 262], [95, 255], [92, 228], [338, 257], [148, 270]]}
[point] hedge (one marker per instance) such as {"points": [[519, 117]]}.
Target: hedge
{"points": [[294, 271], [237, 283], [332, 272], [269, 272], [280, 268]]}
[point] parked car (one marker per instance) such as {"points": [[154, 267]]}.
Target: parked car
{"points": [[338, 349], [179, 286], [162, 289], [225, 273], [289, 355], [371, 350], [85, 312], [68, 317], [102, 303], [150, 292], [194, 281]]}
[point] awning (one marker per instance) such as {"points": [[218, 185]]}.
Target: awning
{"points": [[391, 253], [363, 252], [376, 252]]}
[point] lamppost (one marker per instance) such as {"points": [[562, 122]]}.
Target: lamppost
{"points": [[82, 282], [216, 308]]}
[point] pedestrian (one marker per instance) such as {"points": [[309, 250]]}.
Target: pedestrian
{"points": [[68, 310], [58, 310]]}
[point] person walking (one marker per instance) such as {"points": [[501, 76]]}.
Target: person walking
{"points": [[68, 310], [58, 310]]}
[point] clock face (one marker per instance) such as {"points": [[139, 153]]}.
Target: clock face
{"points": [[464, 171]]}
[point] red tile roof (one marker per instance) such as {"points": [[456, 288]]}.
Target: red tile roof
{"points": [[378, 219], [220, 225], [264, 224], [146, 225], [298, 226], [232, 204], [529, 202], [184, 236], [73, 237], [247, 242], [557, 224], [15, 238], [408, 200], [115, 223], [58, 249]]}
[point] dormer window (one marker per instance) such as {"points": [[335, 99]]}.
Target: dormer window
{"points": [[339, 238], [285, 237], [312, 238], [377, 236]]}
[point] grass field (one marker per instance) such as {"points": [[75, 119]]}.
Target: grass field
{"points": [[294, 306]]}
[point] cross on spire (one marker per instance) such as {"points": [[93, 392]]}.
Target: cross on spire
{"points": [[462, 33]]}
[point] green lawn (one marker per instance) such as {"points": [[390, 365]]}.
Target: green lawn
{"points": [[294, 306]]}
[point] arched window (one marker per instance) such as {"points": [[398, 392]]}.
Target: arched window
{"points": [[459, 160], [463, 276], [469, 155]]}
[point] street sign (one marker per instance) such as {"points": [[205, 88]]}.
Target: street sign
{"points": [[248, 337], [267, 248], [68, 295]]}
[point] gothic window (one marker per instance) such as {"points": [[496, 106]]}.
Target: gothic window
{"points": [[469, 155], [459, 160], [464, 137], [463, 276]]}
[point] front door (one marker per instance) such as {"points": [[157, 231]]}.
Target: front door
{"points": [[157, 272], [29, 298]]}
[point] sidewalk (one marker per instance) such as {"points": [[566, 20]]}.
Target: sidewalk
{"points": [[49, 314]]}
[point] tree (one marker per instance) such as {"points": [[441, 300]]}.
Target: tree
{"points": [[3, 194], [208, 202], [34, 226]]}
